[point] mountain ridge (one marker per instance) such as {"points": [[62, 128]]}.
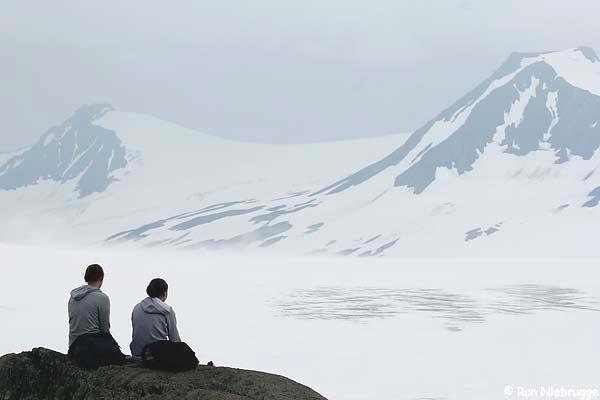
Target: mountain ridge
{"points": [[511, 68], [513, 157], [76, 149]]}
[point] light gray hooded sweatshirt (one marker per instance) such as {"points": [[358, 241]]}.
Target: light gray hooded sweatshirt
{"points": [[152, 320], [89, 312]]}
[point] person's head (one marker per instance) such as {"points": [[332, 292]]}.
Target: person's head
{"points": [[94, 275], [158, 288]]}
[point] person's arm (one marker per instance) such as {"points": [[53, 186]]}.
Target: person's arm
{"points": [[172, 327], [104, 314]]}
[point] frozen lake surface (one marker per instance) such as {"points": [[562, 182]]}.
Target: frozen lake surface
{"points": [[382, 329], [456, 310]]}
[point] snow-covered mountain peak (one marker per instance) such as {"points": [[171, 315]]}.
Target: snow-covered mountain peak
{"points": [[533, 102], [585, 56], [77, 150], [581, 54], [513, 159], [578, 66]]}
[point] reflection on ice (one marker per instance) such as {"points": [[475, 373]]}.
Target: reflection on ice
{"points": [[530, 298], [456, 309]]}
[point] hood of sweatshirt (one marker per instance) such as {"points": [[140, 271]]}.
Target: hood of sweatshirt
{"points": [[82, 291], [153, 305]]}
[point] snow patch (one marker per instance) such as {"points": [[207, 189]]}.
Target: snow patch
{"points": [[575, 67], [79, 156], [49, 139], [552, 105]]}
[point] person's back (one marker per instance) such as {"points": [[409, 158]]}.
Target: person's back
{"points": [[89, 307], [152, 319]]}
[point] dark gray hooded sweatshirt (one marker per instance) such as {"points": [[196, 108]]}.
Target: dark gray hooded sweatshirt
{"points": [[89, 312], [152, 320]]}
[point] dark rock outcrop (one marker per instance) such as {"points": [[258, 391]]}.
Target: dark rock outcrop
{"points": [[45, 374]]}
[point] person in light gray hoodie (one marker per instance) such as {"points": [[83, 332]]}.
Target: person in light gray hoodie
{"points": [[153, 319], [89, 307]]}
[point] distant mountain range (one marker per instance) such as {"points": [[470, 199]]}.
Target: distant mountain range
{"points": [[510, 169]]}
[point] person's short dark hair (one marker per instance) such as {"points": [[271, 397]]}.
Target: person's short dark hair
{"points": [[93, 273], [157, 287]]}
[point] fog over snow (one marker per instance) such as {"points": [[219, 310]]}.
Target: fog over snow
{"points": [[267, 70]]}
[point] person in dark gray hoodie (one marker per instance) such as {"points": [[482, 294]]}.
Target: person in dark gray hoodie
{"points": [[89, 307], [153, 319]]}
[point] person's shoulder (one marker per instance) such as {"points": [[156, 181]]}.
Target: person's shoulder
{"points": [[101, 295]]}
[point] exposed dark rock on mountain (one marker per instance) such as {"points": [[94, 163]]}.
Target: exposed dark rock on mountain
{"points": [[557, 116], [77, 149], [46, 374]]}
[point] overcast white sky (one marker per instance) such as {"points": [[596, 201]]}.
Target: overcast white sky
{"points": [[267, 70]]}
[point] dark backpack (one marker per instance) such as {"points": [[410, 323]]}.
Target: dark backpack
{"points": [[94, 350], [169, 356]]}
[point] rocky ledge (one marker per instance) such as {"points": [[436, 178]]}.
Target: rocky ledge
{"points": [[45, 374]]}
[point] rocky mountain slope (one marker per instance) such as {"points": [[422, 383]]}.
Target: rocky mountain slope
{"points": [[509, 169]]}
